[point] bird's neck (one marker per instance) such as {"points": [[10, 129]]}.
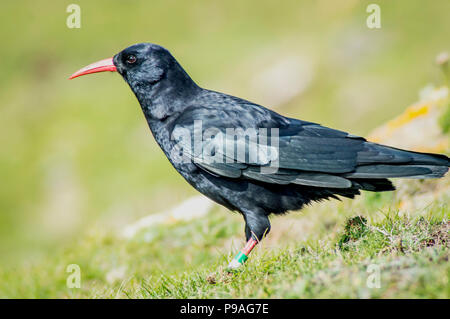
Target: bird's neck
{"points": [[167, 97]]}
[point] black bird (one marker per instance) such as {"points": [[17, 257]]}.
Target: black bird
{"points": [[242, 170]]}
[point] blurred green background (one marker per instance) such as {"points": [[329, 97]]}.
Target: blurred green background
{"points": [[78, 153]]}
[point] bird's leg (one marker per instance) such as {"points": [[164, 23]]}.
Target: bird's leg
{"points": [[256, 227], [242, 256]]}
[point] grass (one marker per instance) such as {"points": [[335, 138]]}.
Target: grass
{"points": [[404, 249], [335, 259]]}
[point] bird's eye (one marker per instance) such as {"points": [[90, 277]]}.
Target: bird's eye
{"points": [[131, 59]]}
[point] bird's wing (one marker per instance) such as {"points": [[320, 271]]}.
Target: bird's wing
{"points": [[270, 148]]}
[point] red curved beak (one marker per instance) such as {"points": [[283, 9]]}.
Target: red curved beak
{"points": [[100, 66]]}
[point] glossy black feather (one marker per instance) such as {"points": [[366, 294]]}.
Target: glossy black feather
{"points": [[315, 162]]}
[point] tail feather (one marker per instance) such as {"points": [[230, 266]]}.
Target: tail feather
{"points": [[435, 172], [429, 159], [380, 161], [392, 171]]}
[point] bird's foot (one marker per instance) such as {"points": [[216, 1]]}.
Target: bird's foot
{"points": [[242, 256], [237, 261]]}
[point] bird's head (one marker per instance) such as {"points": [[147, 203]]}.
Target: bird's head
{"points": [[140, 62], [152, 73], [143, 63]]}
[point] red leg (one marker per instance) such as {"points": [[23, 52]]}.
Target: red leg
{"points": [[242, 256]]}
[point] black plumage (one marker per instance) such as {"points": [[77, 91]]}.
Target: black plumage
{"points": [[314, 162]]}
